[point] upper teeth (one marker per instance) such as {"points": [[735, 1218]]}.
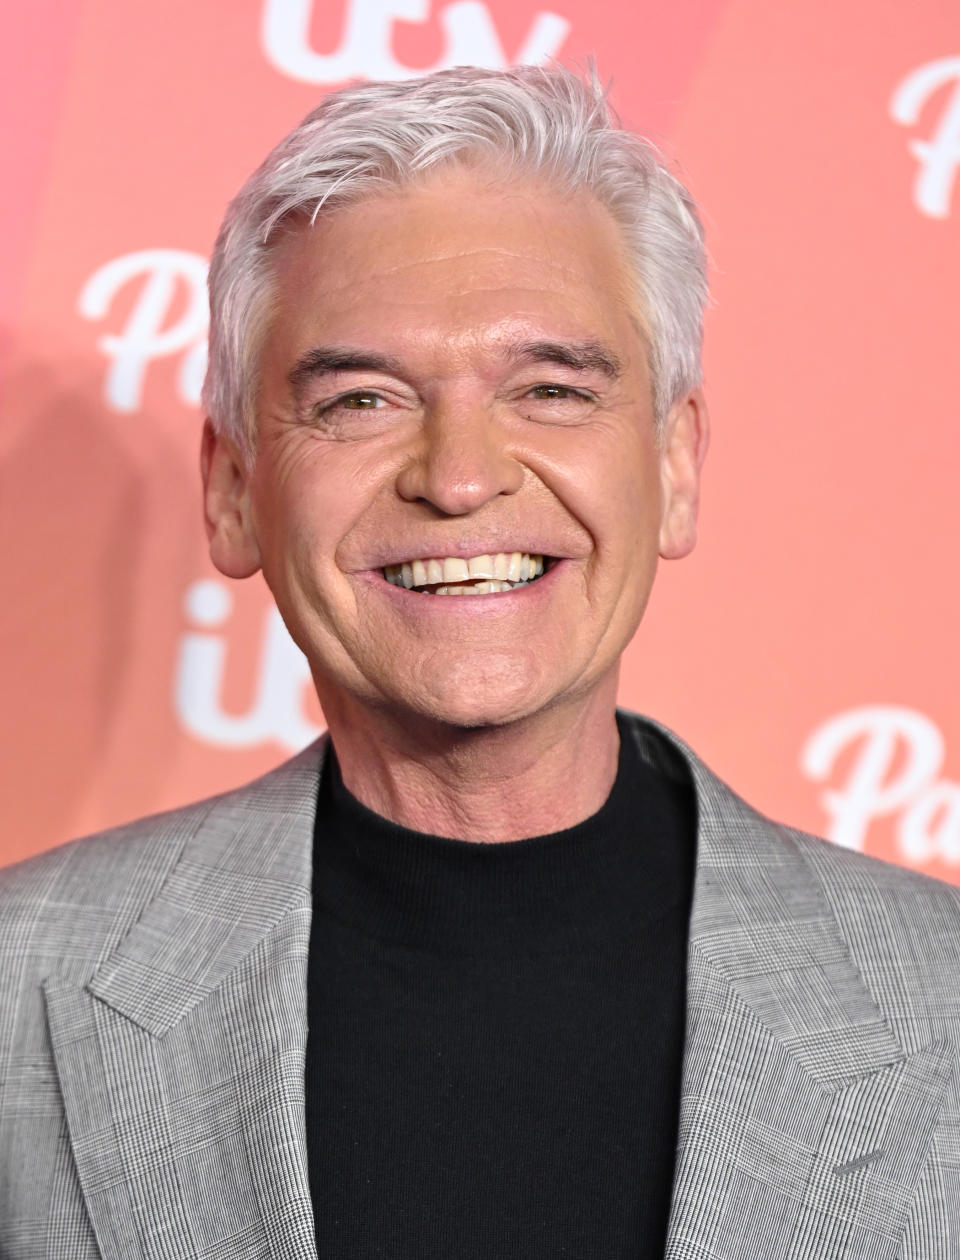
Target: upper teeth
{"points": [[505, 566]]}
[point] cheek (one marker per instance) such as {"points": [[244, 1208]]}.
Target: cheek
{"points": [[292, 547], [616, 492], [635, 490], [294, 495]]}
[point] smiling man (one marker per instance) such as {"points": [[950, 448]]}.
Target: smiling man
{"points": [[454, 399], [494, 969]]}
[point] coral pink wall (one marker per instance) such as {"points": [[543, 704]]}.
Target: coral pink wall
{"points": [[808, 649]]}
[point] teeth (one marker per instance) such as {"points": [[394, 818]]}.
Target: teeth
{"points": [[501, 572], [493, 587]]}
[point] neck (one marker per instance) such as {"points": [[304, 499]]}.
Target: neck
{"points": [[530, 777]]}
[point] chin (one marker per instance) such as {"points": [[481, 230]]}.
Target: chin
{"points": [[481, 702], [467, 712], [469, 717]]}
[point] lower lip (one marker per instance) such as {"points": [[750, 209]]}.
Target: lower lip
{"points": [[494, 602]]}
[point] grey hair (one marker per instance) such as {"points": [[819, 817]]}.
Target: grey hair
{"points": [[539, 122]]}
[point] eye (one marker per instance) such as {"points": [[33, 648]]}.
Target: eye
{"points": [[357, 413], [555, 392], [549, 402], [359, 400], [559, 399]]}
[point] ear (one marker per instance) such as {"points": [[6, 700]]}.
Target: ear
{"points": [[226, 502], [683, 448]]}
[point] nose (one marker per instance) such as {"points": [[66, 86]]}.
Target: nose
{"points": [[461, 462]]}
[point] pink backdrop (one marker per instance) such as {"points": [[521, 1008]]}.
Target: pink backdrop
{"points": [[808, 649]]}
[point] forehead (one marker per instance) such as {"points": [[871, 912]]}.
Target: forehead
{"points": [[463, 259]]}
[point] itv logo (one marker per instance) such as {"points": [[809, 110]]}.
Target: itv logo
{"points": [[470, 37]]}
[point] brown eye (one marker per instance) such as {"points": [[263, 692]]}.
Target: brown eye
{"points": [[360, 402], [551, 391]]}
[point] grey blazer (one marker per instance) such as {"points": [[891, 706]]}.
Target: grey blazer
{"points": [[152, 1033]]}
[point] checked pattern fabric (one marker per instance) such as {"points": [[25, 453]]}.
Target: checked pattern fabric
{"points": [[153, 1031]]}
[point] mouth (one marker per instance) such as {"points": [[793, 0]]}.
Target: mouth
{"points": [[475, 575]]}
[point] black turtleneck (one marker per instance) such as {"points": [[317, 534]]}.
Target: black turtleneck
{"points": [[495, 1031]]}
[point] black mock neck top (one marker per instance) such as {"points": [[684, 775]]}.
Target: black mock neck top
{"points": [[495, 1031]]}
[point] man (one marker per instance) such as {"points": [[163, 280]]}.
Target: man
{"points": [[494, 971]]}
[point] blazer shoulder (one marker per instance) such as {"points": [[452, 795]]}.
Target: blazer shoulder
{"points": [[903, 931], [902, 928], [101, 883], [126, 864], [63, 912], [97, 867], [865, 879], [852, 881]]}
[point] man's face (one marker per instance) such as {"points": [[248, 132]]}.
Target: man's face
{"points": [[453, 374]]}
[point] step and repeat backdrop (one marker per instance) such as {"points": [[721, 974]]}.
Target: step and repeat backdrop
{"points": [[808, 649]]}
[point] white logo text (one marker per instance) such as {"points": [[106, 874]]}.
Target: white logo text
{"points": [[939, 156], [898, 756], [275, 712], [366, 47], [148, 333]]}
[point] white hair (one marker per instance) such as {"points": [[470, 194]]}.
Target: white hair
{"points": [[543, 123]]}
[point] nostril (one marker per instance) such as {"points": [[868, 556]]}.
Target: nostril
{"points": [[456, 478]]}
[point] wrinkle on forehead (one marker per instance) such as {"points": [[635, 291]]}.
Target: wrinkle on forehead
{"points": [[430, 215], [459, 262], [486, 260]]}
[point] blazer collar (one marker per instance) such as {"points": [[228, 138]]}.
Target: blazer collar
{"points": [[181, 1062], [759, 918], [247, 863], [805, 1124], [763, 922]]}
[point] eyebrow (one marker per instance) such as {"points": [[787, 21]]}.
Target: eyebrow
{"points": [[327, 360], [581, 356]]}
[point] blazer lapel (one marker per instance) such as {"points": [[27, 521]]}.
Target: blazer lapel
{"points": [[804, 1123], [181, 1062]]}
